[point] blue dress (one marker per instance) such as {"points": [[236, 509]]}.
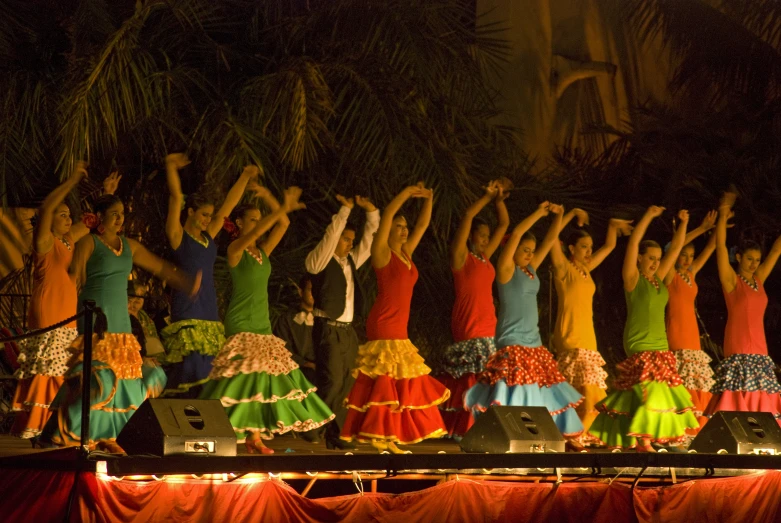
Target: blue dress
{"points": [[523, 372], [195, 335]]}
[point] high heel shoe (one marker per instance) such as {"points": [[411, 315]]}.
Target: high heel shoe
{"points": [[380, 445], [644, 446], [396, 450], [256, 446]]}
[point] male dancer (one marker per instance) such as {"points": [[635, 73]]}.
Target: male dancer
{"points": [[333, 263]]}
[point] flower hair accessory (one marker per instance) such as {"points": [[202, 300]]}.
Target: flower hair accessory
{"points": [[231, 227], [90, 220]]}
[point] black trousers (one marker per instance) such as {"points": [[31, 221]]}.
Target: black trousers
{"points": [[336, 349]]}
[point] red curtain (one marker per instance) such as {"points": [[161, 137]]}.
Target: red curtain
{"points": [[42, 496]]}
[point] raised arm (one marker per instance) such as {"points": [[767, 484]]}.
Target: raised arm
{"points": [[173, 224], [615, 228], [318, 258], [727, 274], [552, 235], [503, 222], [629, 271], [558, 257], [505, 266], [421, 224], [362, 251], [43, 231], [458, 247], [78, 267], [766, 267], [237, 246], [708, 223], [679, 238], [280, 227], [164, 270], [381, 252], [232, 199], [704, 255]]}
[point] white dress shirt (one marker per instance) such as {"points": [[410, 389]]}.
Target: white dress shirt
{"points": [[319, 257]]}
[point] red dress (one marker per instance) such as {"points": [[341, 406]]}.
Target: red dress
{"points": [[473, 323], [393, 398]]}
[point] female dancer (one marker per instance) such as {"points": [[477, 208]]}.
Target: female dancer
{"points": [[683, 334], [574, 339], [650, 402], [44, 358], [522, 372], [745, 380], [101, 265], [254, 376], [195, 334], [394, 400], [474, 318]]}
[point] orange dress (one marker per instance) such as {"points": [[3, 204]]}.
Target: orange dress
{"points": [[43, 359], [683, 337]]}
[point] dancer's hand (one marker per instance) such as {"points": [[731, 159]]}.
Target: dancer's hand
{"points": [[365, 203], [111, 183], [292, 194], [177, 160], [346, 202], [623, 227]]}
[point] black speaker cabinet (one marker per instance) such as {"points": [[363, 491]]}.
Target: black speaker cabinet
{"points": [[739, 433], [513, 429], [171, 427]]}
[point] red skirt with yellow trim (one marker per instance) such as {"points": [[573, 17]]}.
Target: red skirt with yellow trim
{"points": [[393, 398]]}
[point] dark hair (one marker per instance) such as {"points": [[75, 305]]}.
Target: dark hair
{"points": [[351, 226], [690, 244], [241, 210], [399, 215], [576, 235], [528, 235], [197, 200], [748, 245], [105, 202], [477, 223], [648, 244]]}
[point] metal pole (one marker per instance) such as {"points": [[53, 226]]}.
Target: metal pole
{"points": [[86, 373]]}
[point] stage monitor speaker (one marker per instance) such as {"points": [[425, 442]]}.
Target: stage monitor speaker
{"points": [[739, 433], [171, 427], [501, 430]]}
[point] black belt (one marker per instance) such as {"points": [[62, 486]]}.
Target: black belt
{"points": [[339, 324]]}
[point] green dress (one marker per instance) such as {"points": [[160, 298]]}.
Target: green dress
{"points": [[120, 380], [254, 375], [650, 400]]}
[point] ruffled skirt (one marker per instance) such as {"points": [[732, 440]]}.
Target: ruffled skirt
{"points": [[262, 388], [583, 369], [119, 383], [650, 402], [393, 398], [746, 383], [190, 347], [697, 375], [527, 377], [461, 362]]}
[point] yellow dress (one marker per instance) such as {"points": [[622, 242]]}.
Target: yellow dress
{"points": [[576, 343]]}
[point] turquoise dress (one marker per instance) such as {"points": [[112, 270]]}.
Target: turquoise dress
{"points": [[522, 372], [120, 380], [254, 375], [650, 400]]}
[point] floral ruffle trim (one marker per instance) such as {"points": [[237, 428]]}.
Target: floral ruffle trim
{"points": [[581, 367], [246, 352], [518, 365], [468, 356], [657, 366], [746, 372], [46, 354], [397, 359], [120, 351], [188, 336], [694, 369]]}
